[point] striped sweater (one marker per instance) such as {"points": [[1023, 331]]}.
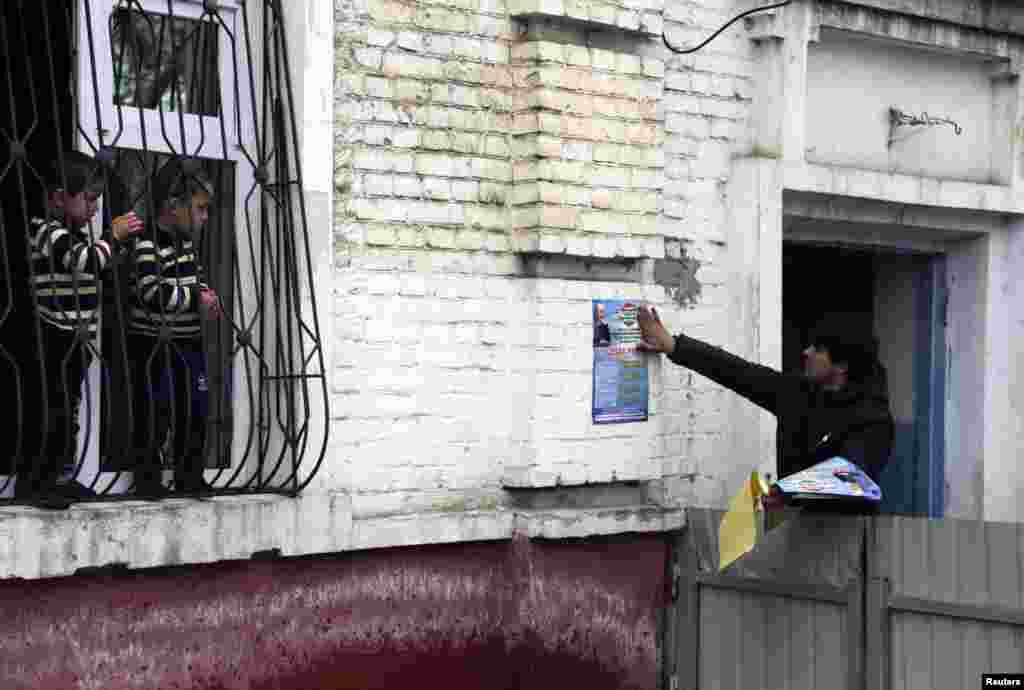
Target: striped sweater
{"points": [[66, 273], [166, 287]]}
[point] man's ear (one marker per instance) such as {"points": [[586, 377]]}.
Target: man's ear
{"points": [[57, 199]]}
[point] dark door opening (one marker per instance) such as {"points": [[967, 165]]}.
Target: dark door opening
{"points": [[898, 298]]}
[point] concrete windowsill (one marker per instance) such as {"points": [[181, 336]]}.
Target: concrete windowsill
{"points": [[37, 543]]}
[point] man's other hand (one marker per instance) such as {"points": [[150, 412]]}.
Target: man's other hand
{"points": [[774, 500], [125, 226], [656, 337]]}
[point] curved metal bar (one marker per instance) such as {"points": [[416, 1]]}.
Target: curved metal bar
{"points": [[271, 348]]}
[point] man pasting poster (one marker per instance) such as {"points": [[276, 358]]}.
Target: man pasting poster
{"points": [[620, 370]]}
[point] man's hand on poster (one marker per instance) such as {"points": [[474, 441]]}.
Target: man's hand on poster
{"points": [[656, 337]]}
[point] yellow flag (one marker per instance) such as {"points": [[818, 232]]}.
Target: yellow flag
{"points": [[737, 534]]}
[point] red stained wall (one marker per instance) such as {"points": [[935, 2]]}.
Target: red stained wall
{"points": [[491, 616]]}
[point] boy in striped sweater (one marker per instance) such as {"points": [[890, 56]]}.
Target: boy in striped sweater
{"points": [[165, 345], [67, 269]]}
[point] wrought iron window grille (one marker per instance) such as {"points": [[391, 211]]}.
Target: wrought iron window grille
{"points": [[120, 379]]}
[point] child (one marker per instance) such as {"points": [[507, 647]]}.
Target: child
{"points": [[165, 343], [67, 269]]}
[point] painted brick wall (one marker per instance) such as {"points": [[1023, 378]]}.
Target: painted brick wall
{"points": [[452, 371]]}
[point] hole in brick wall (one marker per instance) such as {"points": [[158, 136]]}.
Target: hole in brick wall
{"points": [[611, 270], [606, 495]]}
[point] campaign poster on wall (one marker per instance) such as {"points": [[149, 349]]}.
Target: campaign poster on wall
{"points": [[620, 369]]}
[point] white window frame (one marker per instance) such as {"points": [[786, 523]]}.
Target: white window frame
{"points": [[184, 133]]}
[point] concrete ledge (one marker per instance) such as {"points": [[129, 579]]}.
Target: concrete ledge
{"points": [[431, 528], [569, 524], [37, 543], [902, 189]]}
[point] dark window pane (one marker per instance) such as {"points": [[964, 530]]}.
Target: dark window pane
{"points": [[160, 61]]}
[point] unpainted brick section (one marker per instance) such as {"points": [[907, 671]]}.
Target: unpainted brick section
{"points": [[459, 145]]}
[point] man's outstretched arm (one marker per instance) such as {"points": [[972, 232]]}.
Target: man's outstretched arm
{"points": [[761, 385]]}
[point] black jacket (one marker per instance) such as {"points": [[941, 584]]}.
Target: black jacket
{"points": [[854, 422]]}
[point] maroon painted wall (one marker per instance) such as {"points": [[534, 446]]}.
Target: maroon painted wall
{"points": [[492, 616]]}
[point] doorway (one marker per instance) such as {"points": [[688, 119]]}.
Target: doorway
{"points": [[899, 297]]}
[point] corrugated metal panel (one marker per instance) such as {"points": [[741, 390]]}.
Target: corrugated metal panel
{"points": [[780, 617], [769, 642], [944, 605], [954, 562]]}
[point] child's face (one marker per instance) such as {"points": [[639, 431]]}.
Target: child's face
{"points": [[194, 217], [79, 209]]}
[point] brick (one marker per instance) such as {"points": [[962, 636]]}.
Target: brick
{"points": [[439, 44], [381, 235], [488, 218], [411, 90], [411, 65], [688, 125], [410, 237], [444, 239], [379, 87], [678, 81], [608, 176], [524, 194], [433, 213], [382, 161], [575, 151], [553, 244], [407, 186], [466, 142], [464, 190], [607, 153], [578, 245], [470, 239], [604, 247], [646, 178], [438, 188], [370, 58], [379, 185], [433, 164], [379, 38], [493, 193], [493, 170], [497, 242], [559, 216], [391, 11]]}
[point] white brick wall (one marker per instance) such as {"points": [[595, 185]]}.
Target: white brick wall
{"points": [[452, 372]]}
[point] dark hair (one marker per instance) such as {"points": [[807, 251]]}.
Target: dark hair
{"points": [[177, 181], [76, 173], [857, 350]]}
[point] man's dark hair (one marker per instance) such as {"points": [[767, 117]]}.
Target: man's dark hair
{"points": [[846, 345], [76, 173], [177, 181]]}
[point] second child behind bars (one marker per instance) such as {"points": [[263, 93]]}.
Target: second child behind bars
{"points": [[165, 344]]}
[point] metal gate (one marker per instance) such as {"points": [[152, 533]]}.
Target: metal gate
{"points": [[882, 602], [167, 97]]}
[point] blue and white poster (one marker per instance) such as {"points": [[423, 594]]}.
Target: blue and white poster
{"points": [[620, 370]]}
